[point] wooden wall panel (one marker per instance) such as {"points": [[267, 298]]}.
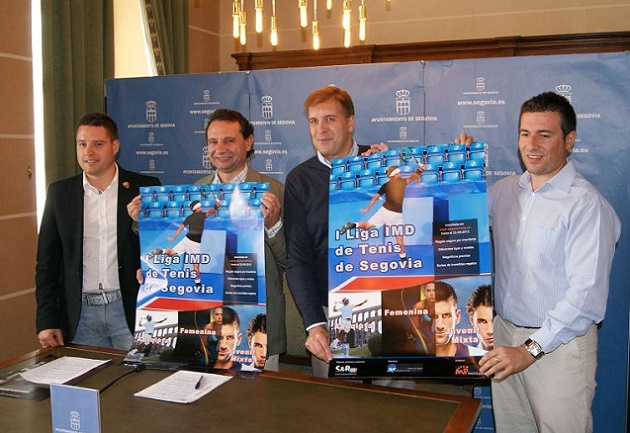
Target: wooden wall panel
{"points": [[17, 327], [17, 255], [16, 92], [15, 16], [18, 181], [461, 49]]}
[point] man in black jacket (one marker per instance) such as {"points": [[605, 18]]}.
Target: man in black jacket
{"points": [[88, 254], [330, 114]]}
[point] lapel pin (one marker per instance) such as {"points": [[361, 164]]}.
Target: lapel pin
{"points": [[125, 185]]}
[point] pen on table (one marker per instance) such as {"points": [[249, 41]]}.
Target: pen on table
{"points": [[199, 382]]}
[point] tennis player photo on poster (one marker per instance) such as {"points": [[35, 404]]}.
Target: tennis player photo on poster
{"points": [[409, 263], [203, 300]]}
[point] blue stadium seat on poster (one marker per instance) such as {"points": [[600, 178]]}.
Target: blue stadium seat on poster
{"points": [[147, 196], [261, 189], [477, 151], [435, 154], [338, 166], [451, 172], [156, 210], [333, 182], [172, 209], [355, 164], [392, 157], [430, 174], [456, 152], [246, 188], [161, 195], [179, 193], [473, 170], [193, 192], [367, 178], [348, 181], [374, 161]]}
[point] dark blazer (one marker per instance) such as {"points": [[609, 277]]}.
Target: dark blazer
{"points": [[275, 264], [59, 269]]}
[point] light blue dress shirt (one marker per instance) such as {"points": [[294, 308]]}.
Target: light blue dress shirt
{"points": [[553, 252]]}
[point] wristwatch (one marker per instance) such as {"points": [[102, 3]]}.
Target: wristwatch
{"points": [[534, 348]]}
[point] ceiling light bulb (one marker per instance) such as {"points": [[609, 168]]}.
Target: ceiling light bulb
{"points": [[274, 31], [236, 16], [315, 35], [347, 9], [362, 20], [243, 29], [259, 16], [303, 17]]}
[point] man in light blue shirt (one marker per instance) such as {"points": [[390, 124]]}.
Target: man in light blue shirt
{"points": [[554, 239]]}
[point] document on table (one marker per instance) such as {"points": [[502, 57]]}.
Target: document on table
{"points": [[61, 370], [183, 387]]}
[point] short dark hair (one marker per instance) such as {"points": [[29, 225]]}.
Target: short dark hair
{"points": [[257, 324], [550, 101], [96, 118], [480, 296], [444, 292], [325, 93], [225, 115], [230, 317]]}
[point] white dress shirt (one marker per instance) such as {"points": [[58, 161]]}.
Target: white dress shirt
{"points": [[100, 246]]}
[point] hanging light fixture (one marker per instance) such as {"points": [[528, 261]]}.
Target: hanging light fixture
{"points": [[236, 18], [346, 20], [259, 16], [347, 12], [315, 27], [362, 20], [328, 4], [303, 5], [274, 25], [243, 30]]}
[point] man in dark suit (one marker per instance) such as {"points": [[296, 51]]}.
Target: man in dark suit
{"points": [[88, 254], [330, 114]]}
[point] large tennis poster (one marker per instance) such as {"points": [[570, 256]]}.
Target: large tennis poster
{"points": [[409, 263], [203, 300]]}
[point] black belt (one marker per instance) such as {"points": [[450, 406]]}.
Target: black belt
{"points": [[101, 297]]}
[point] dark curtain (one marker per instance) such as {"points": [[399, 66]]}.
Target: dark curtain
{"points": [[78, 55], [168, 25]]}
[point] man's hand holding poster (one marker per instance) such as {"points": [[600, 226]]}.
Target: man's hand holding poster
{"points": [[202, 302], [409, 263]]}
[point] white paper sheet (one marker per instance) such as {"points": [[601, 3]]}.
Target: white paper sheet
{"points": [[61, 370], [183, 387]]}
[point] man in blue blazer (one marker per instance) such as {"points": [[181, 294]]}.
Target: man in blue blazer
{"points": [[88, 254]]}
